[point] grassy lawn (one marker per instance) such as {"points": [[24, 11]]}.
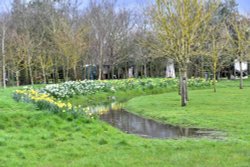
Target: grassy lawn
{"points": [[227, 110], [29, 137]]}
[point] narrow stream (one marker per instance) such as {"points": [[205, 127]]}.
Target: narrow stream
{"points": [[148, 128], [133, 124]]}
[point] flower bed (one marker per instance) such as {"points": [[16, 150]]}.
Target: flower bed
{"points": [[86, 87], [49, 97], [45, 101], [71, 88]]}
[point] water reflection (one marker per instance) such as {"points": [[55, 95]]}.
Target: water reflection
{"points": [[133, 124], [101, 109]]}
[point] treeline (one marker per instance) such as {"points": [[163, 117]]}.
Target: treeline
{"points": [[54, 41], [58, 40]]}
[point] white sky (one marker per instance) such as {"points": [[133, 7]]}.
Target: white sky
{"points": [[244, 5]]}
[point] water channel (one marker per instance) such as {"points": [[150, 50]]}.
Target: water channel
{"points": [[133, 124]]}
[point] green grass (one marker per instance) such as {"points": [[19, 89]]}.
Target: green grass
{"points": [[120, 96], [227, 110], [29, 137]]}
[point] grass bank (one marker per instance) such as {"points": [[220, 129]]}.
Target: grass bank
{"points": [[29, 137], [100, 98]]}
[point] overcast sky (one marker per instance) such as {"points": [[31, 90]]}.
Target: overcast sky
{"points": [[244, 5]]}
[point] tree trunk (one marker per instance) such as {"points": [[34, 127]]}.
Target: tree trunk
{"points": [[183, 87], [126, 71], [66, 74], [152, 70], [113, 72], [109, 73], [55, 71], [183, 84], [118, 73], [17, 79], [75, 72], [145, 70], [31, 75], [100, 62], [141, 70], [27, 80], [13, 78], [186, 86], [3, 57], [84, 73], [56, 75], [214, 79], [66, 70], [44, 75], [180, 81], [100, 72], [36, 77], [241, 75], [158, 68], [136, 71], [30, 69], [202, 68]]}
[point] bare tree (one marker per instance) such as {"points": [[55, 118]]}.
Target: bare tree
{"points": [[4, 26], [217, 52], [181, 26], [16, 54], [99, 15], [239, 33], [117, 39]]}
